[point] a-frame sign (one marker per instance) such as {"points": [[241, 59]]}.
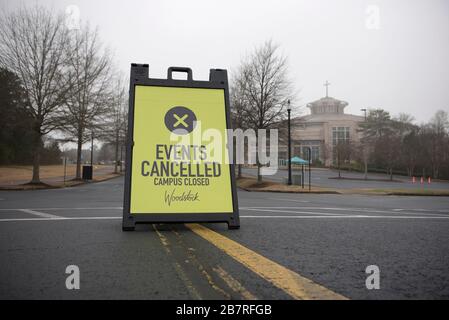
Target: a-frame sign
{"points": [[170, 175]]}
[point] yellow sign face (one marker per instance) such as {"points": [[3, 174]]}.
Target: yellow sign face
{"points": [[175, 168]]}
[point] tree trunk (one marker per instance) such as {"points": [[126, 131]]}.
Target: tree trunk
{"points": [[36, 158], [239, 171], [366, 171], [116, 153], [411, 170], [339, 168], [391, 174], [435, 172], [259, 176], [121, 158], [78, 158]]}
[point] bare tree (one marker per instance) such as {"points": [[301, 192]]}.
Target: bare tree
{"points": [[388, 149], [265, 88], [326, 153], [343, 151], [32, 45], [439, 125], [411, 150], [120, 121], [406, 131], [116, 123], [363, 151], [381, 134], [238, 105], [404, 122], [397, 143], [87, 107]]}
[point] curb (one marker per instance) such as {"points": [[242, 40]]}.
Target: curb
{"points": [[350, 193], [290, 191], [415, 194]]}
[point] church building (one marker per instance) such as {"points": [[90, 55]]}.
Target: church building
{"points": [[321, 130]]}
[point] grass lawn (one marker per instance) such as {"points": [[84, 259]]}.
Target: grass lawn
{"points": [[251, 184], [51, 174]]}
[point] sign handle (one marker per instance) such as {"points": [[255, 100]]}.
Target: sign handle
{"points": [[179, 69]]}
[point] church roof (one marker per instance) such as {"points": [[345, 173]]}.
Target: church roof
{"points": [[326, 117], [327, 109], [327, 105]]}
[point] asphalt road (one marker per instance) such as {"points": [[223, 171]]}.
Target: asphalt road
{"points": [[329, 239], [328, 178]]}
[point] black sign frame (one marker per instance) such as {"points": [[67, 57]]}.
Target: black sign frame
{"points": [[218, 79]]}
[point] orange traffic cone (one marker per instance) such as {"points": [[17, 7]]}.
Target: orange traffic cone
{"points": [[422, 180], [413, 179]]}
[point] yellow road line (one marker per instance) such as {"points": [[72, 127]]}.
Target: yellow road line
{"points": [[182, 275], [291, 282], [201, 268], [234, 284]]}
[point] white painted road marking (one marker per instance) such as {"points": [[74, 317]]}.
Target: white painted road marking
{"points": [[292, 210], [61, 208], [59, 219], [39, 214], [357, 209], [289, 211], [365, 210], [345, 217], [242, 216], [294, 200], [368, 210]]}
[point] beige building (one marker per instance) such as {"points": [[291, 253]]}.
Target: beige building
{"points": [[321, 130]]}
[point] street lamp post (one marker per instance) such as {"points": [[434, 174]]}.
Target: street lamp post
{"points": [[365, 156], [310, 160], [92, 150], [302, 175], [289, 146], [65, 169]]}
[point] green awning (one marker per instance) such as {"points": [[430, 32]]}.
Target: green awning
{"points": [[298, 160]]}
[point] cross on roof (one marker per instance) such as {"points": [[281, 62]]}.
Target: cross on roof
{"points": [[326, 84]]}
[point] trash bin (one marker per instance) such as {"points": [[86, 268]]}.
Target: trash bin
{"points": [[87, 172], [296, 179]]}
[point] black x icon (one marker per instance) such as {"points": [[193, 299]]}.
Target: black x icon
{"points": [[180, 120]]}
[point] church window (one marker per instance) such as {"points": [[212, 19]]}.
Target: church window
{"points": [[340, 134]]}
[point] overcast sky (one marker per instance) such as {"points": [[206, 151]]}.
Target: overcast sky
{"points": [[398, 62]]}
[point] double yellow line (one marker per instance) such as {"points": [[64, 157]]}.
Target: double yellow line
{"points": [[289, 281]]}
